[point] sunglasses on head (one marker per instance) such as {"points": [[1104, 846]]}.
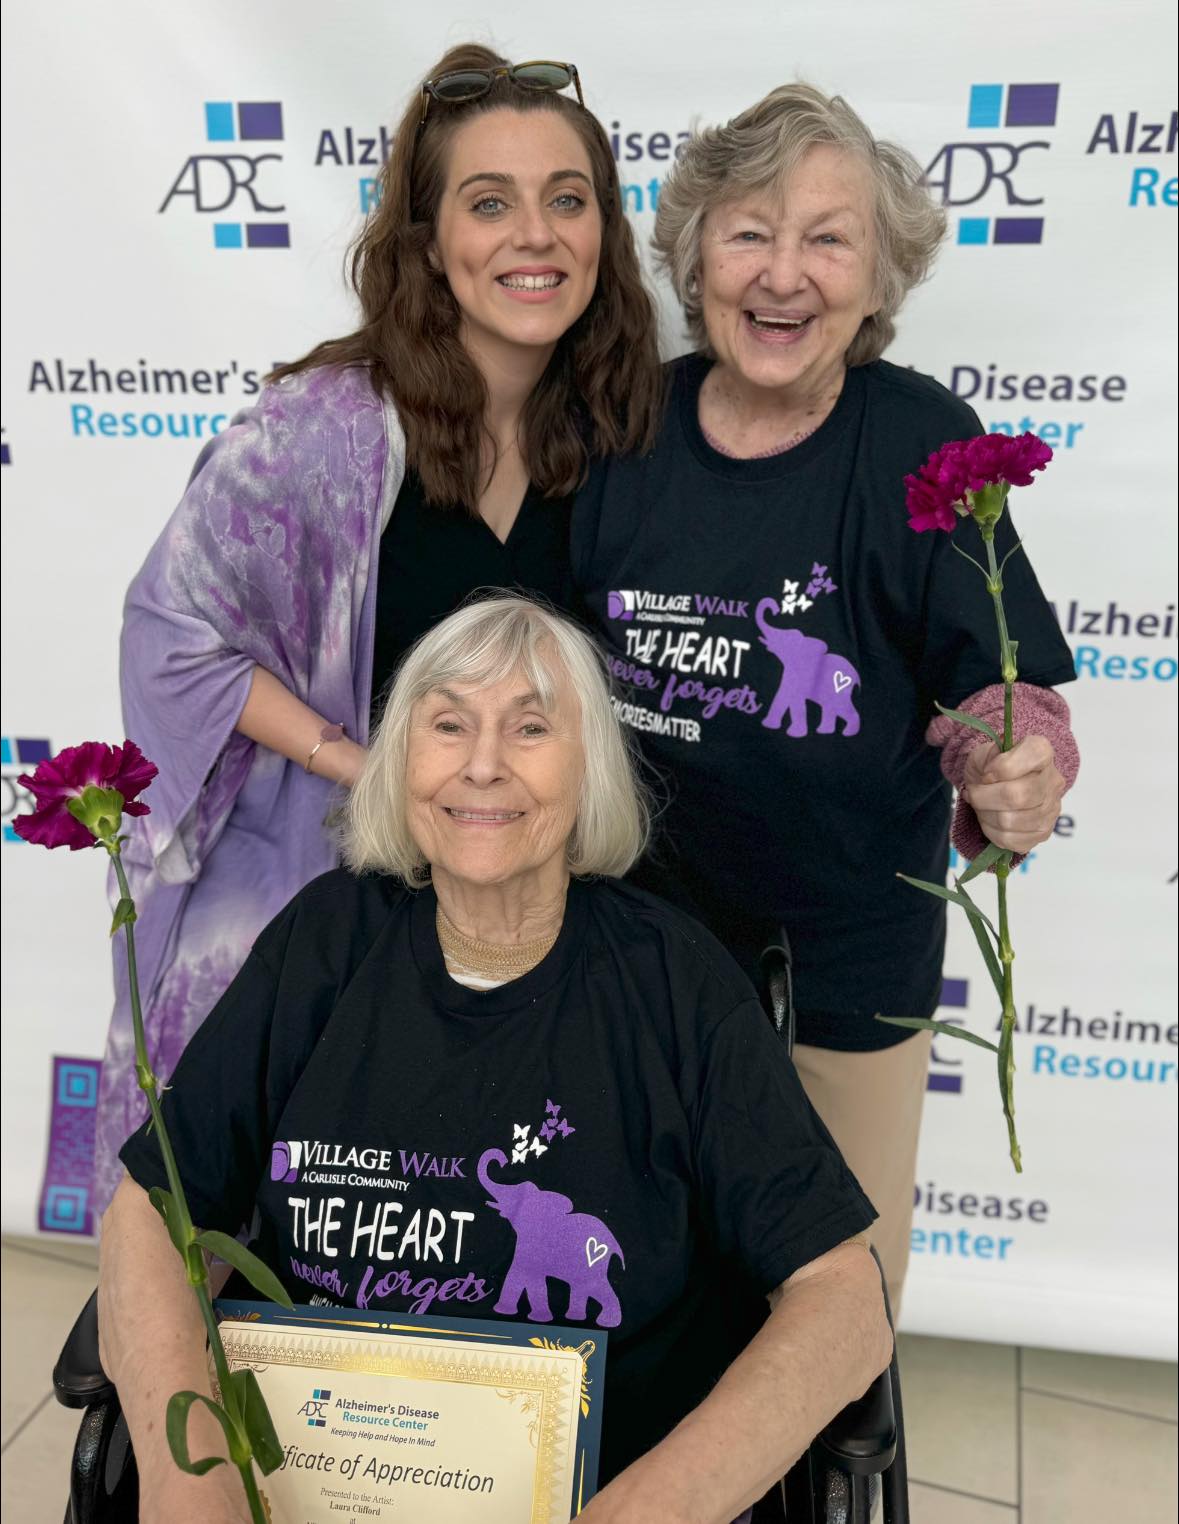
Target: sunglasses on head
{"points": [[541, 76]]}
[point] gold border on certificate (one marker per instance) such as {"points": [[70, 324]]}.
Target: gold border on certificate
{"points": [[544, 1384]]}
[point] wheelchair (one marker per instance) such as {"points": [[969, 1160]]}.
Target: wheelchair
{"points": [[857, 1459]]}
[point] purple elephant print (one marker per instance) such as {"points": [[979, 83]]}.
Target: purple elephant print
{"points": [[810, 674], [552, 1242]]}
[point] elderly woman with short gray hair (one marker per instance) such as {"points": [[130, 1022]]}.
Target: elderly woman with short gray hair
{"points": [[478, 989], [783, 634]]}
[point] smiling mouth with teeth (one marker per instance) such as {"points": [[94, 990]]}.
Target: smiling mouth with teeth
{"points": [[483, 817], [531, 282], [777, 324]]}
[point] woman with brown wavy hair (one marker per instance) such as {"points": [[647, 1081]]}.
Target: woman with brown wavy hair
{"points": [[506, 337]]}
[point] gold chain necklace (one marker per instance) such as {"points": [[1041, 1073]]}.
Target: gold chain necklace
{"points": [[489, 960]]}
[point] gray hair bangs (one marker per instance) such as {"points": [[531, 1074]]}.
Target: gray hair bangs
{"points": [[480, 645], [757, 151]]}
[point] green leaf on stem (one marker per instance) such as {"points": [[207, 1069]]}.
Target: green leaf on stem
{"points": [[259, 1275], [954, 898], [264, 1442], [978, 922], [984, 945], [176, 1426], [124, 914], [968, 719], [966, 556], [985, 859], [943, 1027], [989, 957], [165, 1204], [1017, 546]]}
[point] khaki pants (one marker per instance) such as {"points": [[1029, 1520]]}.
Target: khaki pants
{"points": [[871, 1105]]}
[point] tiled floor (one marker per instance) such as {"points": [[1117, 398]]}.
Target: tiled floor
{"points": [[995, 1435]]}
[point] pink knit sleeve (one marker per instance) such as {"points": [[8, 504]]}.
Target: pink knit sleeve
{"points": [[1035, 712]]}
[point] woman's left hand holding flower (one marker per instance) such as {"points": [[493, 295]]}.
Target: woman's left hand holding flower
{"points": [[1016, 794]]}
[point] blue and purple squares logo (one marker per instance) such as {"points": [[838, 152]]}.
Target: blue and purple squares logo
{"points": [[243, 122], [945, 1070], [968, 171], [216, 181], [18, 754], [24, 751], [1013, 105]]}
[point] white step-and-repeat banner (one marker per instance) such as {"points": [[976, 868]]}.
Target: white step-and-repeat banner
{"points": [[180, 184]]}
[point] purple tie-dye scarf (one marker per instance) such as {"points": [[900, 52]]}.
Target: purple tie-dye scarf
{"points": [[266, 562]]}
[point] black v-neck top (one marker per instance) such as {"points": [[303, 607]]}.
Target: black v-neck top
{"points": [[432, 558]]}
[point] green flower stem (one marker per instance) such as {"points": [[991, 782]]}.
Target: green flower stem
{"points": [[194, 1257], [1007, 1025], [1003, 867], [1006, 649]]}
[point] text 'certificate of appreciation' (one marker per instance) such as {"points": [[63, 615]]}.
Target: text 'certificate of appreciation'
{"points": [[422, 1420]]}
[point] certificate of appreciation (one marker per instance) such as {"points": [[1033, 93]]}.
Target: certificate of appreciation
{"points": [[422, 1420]]}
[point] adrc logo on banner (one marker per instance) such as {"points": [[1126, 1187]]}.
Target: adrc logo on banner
{"points": [[945, 1067], [313, 1408], [18, 754], [215, 181], [967, 171]]}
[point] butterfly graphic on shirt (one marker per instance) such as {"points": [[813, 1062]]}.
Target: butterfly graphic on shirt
{"points": [[795, 602], [820, 582], [526, 1140]]}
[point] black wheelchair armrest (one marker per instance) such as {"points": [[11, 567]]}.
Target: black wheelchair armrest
{"points": [[862, 1439], [104, 1484], [79, 1380], [868, 1437]]}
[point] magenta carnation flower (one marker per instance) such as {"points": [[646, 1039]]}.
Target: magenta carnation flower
{"points": [[92, 765], [938, 495], [993, 458]]}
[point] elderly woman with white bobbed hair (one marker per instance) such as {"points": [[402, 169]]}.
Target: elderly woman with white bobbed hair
{"points": [[783, 633], [476, 986]]}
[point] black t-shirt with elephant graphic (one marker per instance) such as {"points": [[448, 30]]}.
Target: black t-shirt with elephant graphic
{"points": [[779, 636], [617, 1139]]}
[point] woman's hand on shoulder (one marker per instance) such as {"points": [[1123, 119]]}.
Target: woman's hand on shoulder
{"points": [[1016, 794]]}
